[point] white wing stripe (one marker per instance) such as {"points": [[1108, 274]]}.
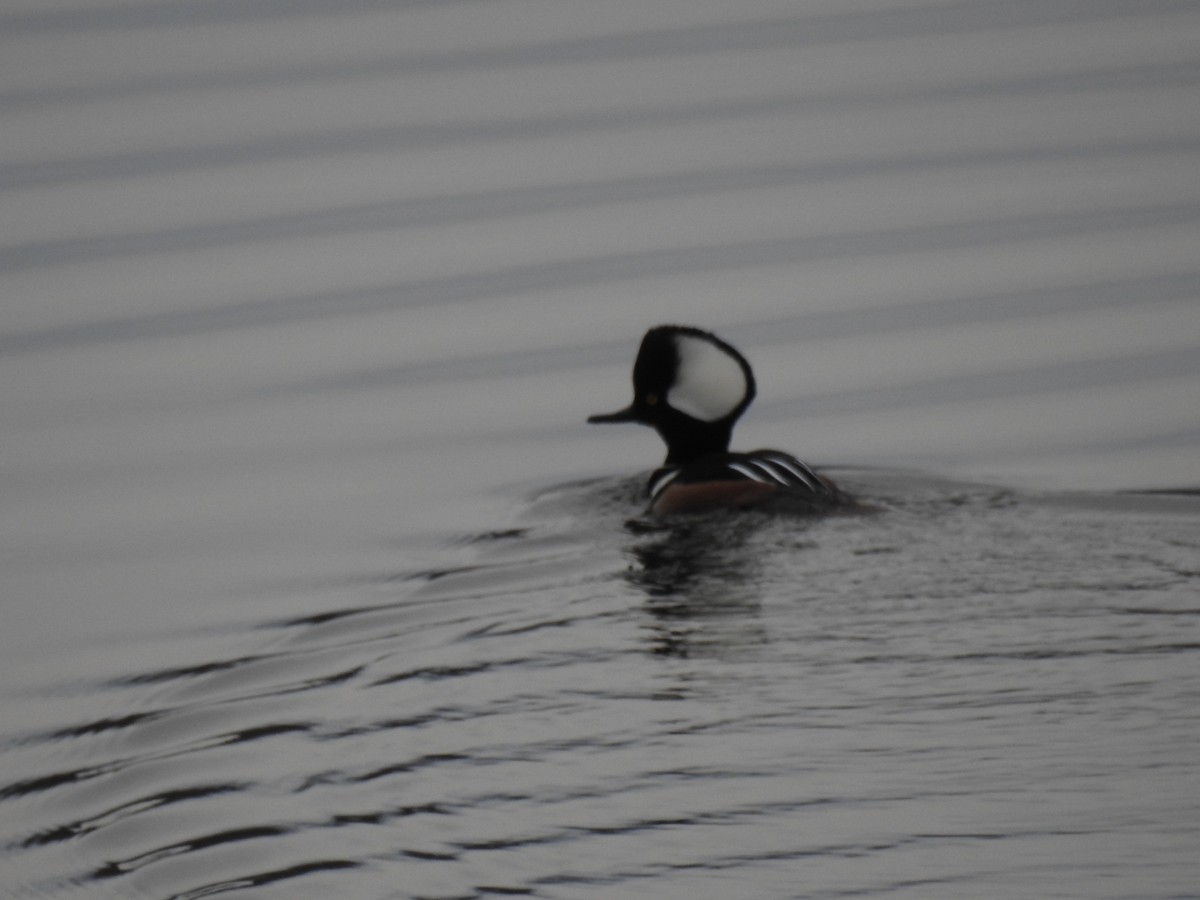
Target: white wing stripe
{"points": [[659, 485], [747, 471], [801, 471], [766, 469], [765, 466]]}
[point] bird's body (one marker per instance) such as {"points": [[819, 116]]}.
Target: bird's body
{"points": [[691, 387]]}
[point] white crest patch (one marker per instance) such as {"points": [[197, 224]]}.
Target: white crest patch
{"points": [[710, 383]]}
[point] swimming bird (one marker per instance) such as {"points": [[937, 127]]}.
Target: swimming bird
{"points": [[691, 387]]}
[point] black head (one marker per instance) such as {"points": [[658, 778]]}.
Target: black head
{"points": [[690, 386]]}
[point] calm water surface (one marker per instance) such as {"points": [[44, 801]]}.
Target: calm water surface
{"points": [[315, 584]]}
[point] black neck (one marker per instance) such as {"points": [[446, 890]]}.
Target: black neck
{"points": [[687, 442]]}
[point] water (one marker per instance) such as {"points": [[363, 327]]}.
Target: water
{"points": [[315, 583]]}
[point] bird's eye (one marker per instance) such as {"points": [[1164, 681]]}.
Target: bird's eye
{"points": [[651, 399]]}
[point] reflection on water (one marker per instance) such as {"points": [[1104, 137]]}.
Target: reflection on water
{"points": [[316, 584], [700, 582]]}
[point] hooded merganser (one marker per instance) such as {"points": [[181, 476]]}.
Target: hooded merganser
{"points": [[691, 386]]}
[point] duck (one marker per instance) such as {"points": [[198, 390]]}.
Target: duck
{"points": [[691, 387]]}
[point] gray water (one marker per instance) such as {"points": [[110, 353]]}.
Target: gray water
{"points": [[315, 584]]}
